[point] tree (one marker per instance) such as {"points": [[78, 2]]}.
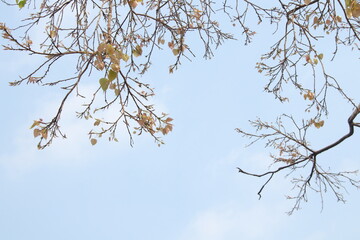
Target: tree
{"points": [[117, 39]]}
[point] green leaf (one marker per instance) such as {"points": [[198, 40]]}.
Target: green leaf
{"points": [[21, 3], [112, 75], [104, 83], [348, 3]]}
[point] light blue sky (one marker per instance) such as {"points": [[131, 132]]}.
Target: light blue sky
{"points": [[188, 189]]}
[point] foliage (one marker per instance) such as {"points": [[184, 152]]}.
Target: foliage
{"points": [[119, 38]]}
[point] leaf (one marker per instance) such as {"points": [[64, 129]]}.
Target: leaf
{"points": [[320, 56], [125, 57], [21, 3], [137, 51], [115, 67], [93, 141], [316, 20], [97, 122], [307, 2], [133, 3], [109, 49], [37, 132], [171, 44], [99, 64], [308, 59], [319, 124], [36, 123], [111, 75], [169, 119], [112, 86], [53, 33], [104, 83], [176, 51], [44, 133], [348, 3], [102, 47]]}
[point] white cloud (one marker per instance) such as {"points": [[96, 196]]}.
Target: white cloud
{"points": [[233, 221], [24, 154]]}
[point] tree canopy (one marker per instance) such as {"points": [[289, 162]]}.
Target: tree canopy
{"points": [[116, 40]]}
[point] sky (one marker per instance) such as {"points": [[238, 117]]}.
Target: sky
{"points": [[188, 189]]}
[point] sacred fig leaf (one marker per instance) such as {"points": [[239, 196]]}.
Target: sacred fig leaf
{"points": [[97, 122], [112, 86], [21, 3], [137, 51], [110, 49], [37, 132], [36, 123], [176, 51], [104, 83], [125, 57], [319, 124], [112, 75], [115, 67], [93, 141], [44, 133]]}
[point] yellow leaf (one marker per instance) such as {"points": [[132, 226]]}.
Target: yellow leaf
{"points": [[44, 133], [93, 141], [36, 123], [125, 57], [137, 51], [97, 122], [37, 132], [110, 49], [320, 56], [53, 33], [112, 75], [176, 51], [115, 67], [319, 124]]}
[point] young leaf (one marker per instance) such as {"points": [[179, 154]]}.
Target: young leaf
{"points": [[93, 141], [176, 51], [137, 51], [21, 3], [125, 57], [104, 83], [37, 132], [44, 133], [115, 67], [319, 124], [111, 75], [36, 123], [97, 122]]}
